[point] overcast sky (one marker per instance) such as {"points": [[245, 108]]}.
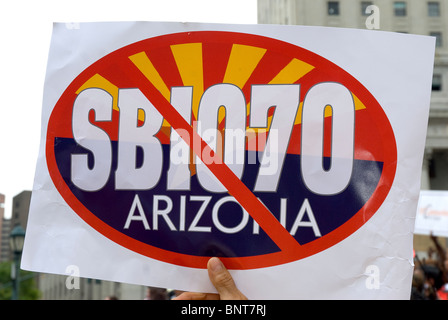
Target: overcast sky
{"points": [[25, 31]]}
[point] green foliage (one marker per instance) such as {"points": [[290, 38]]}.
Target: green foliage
{"points": [[28, 289]]}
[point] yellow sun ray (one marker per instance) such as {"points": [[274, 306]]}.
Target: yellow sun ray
{"points": [[188, 58], [242, 62], [293, 71], [144, 64], [97, 81]]}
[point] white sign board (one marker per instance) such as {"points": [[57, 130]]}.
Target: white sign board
{"points": [[292, 153], [432, 213]]}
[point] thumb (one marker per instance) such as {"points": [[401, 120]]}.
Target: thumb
{"points": [[223, 281]]}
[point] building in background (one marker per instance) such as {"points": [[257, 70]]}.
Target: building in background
{"points": [[20, 209], [19, 216], [5, 252], [5, 229], [411, 16], [60, 287]]}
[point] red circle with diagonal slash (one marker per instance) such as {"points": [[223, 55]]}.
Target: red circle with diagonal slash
{"points": [[118, 69]]}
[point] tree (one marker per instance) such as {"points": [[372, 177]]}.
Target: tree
{"points": [[28, 289]]}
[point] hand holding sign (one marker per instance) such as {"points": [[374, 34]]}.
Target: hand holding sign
{"points": [[222, 281]]}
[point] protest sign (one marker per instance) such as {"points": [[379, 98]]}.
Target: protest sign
{"points": [[293, 153], [432, 213]]}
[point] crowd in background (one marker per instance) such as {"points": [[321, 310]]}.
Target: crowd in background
{"points": [[430, 279]]}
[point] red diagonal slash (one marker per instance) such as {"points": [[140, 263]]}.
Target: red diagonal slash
{"points": [[282, 238]]}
